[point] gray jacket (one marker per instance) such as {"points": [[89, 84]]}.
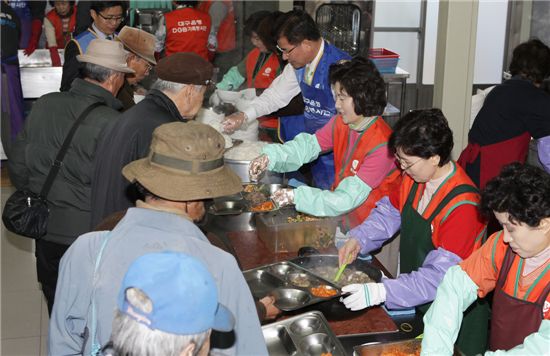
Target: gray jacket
{"points": [[141, 231], [35, 148]]}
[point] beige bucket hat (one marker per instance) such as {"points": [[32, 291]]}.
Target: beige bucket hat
{"points": [[108, 54], [185, 163], [139, 42]]}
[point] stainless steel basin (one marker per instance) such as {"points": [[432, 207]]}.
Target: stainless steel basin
{"points": [[290, 298], [306, 326]]}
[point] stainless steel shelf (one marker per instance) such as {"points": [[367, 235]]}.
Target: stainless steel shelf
{"points": [[399, 77]]}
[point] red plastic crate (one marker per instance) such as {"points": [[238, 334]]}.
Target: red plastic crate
{"points": [[384, 59]]}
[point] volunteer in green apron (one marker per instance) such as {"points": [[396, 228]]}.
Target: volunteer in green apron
{"points": [[436, 210]]}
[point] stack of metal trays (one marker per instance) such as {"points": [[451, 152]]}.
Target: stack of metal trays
{"points": [[289, 284], [304, 334]]}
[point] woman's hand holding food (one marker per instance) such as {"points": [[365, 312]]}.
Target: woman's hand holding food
{"points": [[283, 197], [363, 295], [257, 166], [348, 253]]}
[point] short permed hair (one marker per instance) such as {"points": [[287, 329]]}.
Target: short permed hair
{"points": [[252, 22], [296, 26], [423, 133], [522, 191], [531, 60], [265, 30], [362, 81]]}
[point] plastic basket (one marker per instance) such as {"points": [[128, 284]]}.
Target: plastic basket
{"points": [[384, 59]]}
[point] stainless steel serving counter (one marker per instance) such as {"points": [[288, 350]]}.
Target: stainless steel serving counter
{"points": [[38, 77]]}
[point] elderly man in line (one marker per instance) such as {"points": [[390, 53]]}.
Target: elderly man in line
{"points": [[141, 58], [183, 168], [51, 118], [176, 96], [152, 320]]}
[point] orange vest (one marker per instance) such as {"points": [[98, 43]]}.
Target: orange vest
{"points": [[226, 32], [266, 74], [374, 137], [60, 37], [511, 288], [456, 178], [187, 30]]}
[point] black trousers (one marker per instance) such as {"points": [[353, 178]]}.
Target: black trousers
{"points": [[48, 255]]}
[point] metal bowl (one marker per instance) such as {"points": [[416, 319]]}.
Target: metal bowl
{"points": [[230, 215], [301, 280], [262, 282], [282, 269], [227, 207], [289, 298], [317, 344], [279, 342], [306, 326]]}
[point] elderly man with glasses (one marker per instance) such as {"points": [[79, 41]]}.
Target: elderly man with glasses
{"points": [[141, 58], [107, 17]]}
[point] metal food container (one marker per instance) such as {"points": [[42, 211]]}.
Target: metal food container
{"points": [[407, 347], [304, 334], [232, 212], [289, 284], [325, 266], [280, 235]]}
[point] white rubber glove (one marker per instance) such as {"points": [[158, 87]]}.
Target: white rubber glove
{"points": [[257, 167], [212, 43], [214, 99], [283, 197], [234, 122], [363, 295]]}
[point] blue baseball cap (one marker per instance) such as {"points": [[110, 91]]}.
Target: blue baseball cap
{"points": [[182, 291]]}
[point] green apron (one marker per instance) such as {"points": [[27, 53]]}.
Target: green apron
{"points": [[416, 243]]}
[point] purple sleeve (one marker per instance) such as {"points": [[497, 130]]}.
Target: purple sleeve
{"points": [[419, 287], [543, 146], [382, 223]]}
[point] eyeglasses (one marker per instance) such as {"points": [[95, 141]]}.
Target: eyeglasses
{"points": [[111, 18], [286, 51], [148, 65], [409, 166]]}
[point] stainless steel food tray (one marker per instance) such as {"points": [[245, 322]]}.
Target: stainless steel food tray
{"points": [[314, 262], [403, 347], [288, 283], [304, 334], [237, 203]]}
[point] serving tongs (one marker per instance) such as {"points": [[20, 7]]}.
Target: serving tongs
{"points": [[342, 268]]}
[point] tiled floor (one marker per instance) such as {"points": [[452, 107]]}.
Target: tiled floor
{"points": [[24, 314]]}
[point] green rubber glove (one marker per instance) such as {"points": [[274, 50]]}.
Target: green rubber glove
{"points": [[232, 80], [349, 194], [442, 322], [289, 157]]}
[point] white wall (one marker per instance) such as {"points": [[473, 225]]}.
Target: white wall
{"points": [[403, 13], [491, 31]]}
